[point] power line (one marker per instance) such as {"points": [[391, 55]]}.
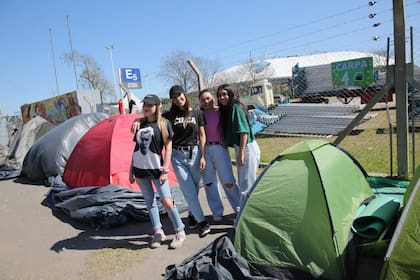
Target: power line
{"points": [[379, 13], [316, 41], [301, 36], [300, 26], [322, 19], [288, 29], [311, 42]]}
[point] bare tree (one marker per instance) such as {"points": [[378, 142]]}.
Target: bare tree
{"points": [[208, 68], [252, 71], [174, 69], [92, 74], [379, 58]]}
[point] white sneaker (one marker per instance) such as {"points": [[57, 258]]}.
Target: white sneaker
{"points": [[157, 239], [178, 240]]}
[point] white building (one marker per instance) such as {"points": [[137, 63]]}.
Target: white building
{"points": [[281, 67]]}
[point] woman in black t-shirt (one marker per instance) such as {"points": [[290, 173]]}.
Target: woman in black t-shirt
{"points": [[188, 153]]}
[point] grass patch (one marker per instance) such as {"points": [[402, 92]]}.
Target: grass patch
{"points": [[368, 147]]}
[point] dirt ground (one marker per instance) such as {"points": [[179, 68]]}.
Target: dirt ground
{"points": [[35, 244]]}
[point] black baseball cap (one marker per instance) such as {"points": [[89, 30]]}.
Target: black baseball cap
{"points": [[151, 99], [176, 90]]}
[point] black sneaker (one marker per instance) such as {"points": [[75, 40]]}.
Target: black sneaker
{"points": [[204, 228], [192, 223]]}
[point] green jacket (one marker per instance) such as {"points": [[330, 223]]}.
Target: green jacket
{"points": [[237, 124]]}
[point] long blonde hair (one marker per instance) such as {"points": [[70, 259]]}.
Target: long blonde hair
{"points": [[161, 121]]}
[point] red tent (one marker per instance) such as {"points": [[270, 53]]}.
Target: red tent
{"points": [[103, 155]]}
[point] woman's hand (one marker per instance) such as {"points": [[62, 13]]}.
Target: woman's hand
{"points": [[202, 163], [135, 126], [131, 178], [163, 177], [240, 160]]}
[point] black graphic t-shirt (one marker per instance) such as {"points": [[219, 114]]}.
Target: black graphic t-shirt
{"points": [[147, 155], [188, 135]]}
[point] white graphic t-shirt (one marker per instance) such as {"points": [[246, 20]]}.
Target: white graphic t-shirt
{"points": [[147, 155]]}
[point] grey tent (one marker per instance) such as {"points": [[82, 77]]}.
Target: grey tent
{"points": [[49, 155], [27, 136], [22, 142]]}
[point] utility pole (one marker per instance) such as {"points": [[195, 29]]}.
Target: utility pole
{"points": [[401, 88], [198, 73], [53, 59], [110, 48], [72, 53]]}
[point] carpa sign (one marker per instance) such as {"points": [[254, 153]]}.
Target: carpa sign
{"points": [[130, 77], [353, 73]]}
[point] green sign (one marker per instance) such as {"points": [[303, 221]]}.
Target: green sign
{"points": [[352, 73]]}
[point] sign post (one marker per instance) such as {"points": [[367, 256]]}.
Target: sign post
{"points": [[352, 73], [130, 77]]}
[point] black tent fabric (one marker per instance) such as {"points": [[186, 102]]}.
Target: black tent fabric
{"points": [[219, 260], [48, 156], [11, 169], [107, 206]]}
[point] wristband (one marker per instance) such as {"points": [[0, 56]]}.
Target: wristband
{"points": [[164, 170]]}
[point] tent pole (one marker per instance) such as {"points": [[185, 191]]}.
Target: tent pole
{"points": [[401, 222], [413, 112], [361, 115], [391, 156], [333, 232]]}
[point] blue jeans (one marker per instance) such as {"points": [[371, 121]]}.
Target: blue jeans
{"points": [[186, 166], [218, 160], [150, 197], [247, 173]]}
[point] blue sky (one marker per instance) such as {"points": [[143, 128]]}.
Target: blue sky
{"points": [[144, 32]]}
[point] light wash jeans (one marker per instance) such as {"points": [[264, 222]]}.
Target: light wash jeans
{"points": [[150, 197], [218, 160], [247, 173], [187, 172]]}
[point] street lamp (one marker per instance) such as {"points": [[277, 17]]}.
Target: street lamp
{"points": [[110, 48]]}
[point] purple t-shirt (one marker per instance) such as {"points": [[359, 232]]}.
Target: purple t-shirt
{"points": [[212, 127]]}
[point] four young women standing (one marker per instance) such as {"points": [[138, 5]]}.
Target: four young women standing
{"points": [[196, 143]]}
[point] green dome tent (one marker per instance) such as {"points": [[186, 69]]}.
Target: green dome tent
{"points": [[402, 260], [300, 210]]}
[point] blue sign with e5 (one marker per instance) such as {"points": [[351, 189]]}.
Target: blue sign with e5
{"points": [[131, 77]]}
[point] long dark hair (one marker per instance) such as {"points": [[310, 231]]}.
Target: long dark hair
{"points": [[226, 110], [175, 110]]}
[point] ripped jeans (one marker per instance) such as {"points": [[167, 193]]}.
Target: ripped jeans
{"points": [[218, 161]]}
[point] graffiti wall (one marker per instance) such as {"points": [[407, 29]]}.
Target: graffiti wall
{"points": [[55, 110]]}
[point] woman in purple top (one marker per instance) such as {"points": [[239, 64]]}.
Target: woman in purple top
{"points": [[217, 160]]}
